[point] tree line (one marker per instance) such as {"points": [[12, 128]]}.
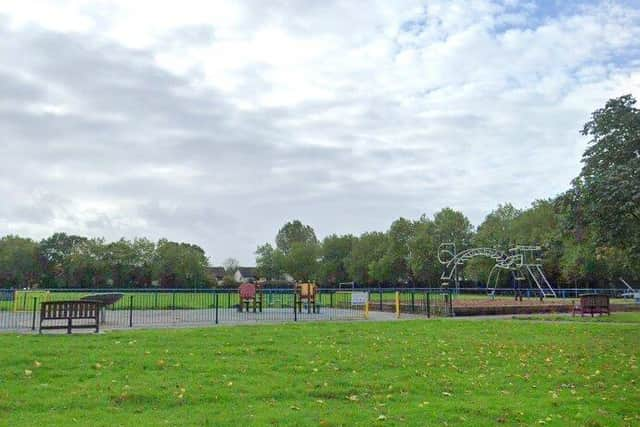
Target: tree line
{"points": [[590, 234], [70, 261]]}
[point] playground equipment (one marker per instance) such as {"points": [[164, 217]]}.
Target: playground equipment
{"points": [[523, 262], [103, 300], [250, 293], [306, 292]]}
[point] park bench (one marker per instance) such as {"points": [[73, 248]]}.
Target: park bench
{"points": [[592, 304], [69, 311]]}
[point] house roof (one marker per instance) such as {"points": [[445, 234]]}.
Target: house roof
{"points": [[217, 272], [248, 271]]}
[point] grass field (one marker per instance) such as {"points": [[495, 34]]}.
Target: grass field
{"points": [[443, 372], [622, 317]]}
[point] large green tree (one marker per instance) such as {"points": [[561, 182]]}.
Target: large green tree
{"points": [[270, 262], [366, 252], [602, 209], [294, 232], [302, 261], [336, 251]]}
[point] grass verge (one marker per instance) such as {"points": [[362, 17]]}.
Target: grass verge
{"points": [[398, 373]]}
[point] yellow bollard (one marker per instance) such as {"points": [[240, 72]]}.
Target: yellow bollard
{"points": [[397, 305]]}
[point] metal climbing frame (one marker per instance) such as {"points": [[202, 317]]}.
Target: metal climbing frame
{"points": [[522, 261]]}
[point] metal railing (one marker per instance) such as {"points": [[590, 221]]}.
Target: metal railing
{"points": [[20, 310], [180, 307]]}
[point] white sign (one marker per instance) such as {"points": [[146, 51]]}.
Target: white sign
{"points": [[359, 298]]}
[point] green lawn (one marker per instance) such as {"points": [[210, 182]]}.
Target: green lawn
{"points": [[438, 372], [617, 317]]}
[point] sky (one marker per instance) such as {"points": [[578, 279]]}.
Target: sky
{"points": [[217, 122]]}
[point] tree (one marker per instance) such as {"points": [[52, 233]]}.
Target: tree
{"points": [[607, 191], [294, 232], [143, 256], [496, 231], [269, 262], [85, 265], [366, 251], [55, 253], [453, 226], [302, 261], [335, 253], [393, 266], [120, 258], [423, 248], [180, 264], [19, 265]]}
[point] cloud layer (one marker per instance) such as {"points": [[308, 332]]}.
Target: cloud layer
{"points": [[216, 123]]}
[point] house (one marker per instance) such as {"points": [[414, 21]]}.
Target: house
{"points": [[216, 273], [246, 274], [241, 275]]}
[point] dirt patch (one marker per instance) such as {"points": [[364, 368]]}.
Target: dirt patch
{"points": [[508, 303]]}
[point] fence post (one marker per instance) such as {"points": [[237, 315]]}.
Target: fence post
{"points": [[331, 299], [413, 301], [397, 305], [35, 307], [130, 311], [380, 291], [216, 298], [295, 312], [366, 307], [173, 300], [428, 304], [450, 304]]}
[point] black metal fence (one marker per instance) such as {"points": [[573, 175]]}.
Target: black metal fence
{"points": [[20, 310], [178, 307]]}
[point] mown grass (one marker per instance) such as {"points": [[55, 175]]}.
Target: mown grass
{"points": [[618, 317], [443, 372]]}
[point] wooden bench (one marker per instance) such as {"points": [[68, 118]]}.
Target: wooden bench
{"points": [[70, 311], [592, 304]]}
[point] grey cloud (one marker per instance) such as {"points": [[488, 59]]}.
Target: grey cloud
{"points": [[97, 139]]}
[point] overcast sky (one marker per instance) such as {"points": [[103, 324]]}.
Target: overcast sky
{"points": [[217, 122]]}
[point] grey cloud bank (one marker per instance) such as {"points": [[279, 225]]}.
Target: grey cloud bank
{"points": [[101, 138]]}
